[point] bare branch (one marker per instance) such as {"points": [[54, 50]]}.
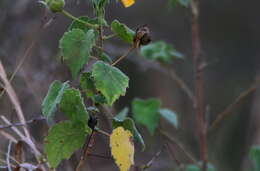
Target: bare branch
{"points": [[8, 156], [123, 56], [228, 110], [181, 84], [199, 82], [21, 124], [150, 163], [8, 136], [180, 146]]}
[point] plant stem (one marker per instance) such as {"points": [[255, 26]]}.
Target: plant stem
{"points": [[69, 15], [199, 82], [150, 163], [109, 36], [102, 132], [85, 150], [221, 116], [180, 146], [123, 56]]}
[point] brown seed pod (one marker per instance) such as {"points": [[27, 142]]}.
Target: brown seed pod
{"points": [[142, 36]]}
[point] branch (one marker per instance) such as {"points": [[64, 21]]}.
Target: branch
{"points": [[228, 110], [67, 14], [150, 163], [199, 82], [14, 99], [8, 156], [21, 124], [123, 56], [85, 150], [180, 146], [181, 84]]}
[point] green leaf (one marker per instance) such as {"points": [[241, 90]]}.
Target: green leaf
{"points": [[99, 99], [104, 57], [62, 140], [123, 31], [146, 112], [122, 114], [255, 156], [76, 47], [110, 81], [160, 51], [72, 104], [129, 124], [170, 116], [99, 6], [193, 167], [87, 84], [53, 98]]}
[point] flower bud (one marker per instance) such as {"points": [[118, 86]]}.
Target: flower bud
{"points": [[55, 5]]}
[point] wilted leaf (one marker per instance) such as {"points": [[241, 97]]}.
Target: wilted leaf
{"points": [[128, 124], [123, 31], [160, 51], [63, 139], [170, 116], [53, 98], [72, 104], [146, 112], [122, 148], [110, 81], [76, 46]]}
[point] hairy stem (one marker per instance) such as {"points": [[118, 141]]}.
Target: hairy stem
{"points": [[69, 15]]}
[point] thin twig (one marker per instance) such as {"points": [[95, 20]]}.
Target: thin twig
{"points": [[150, 163], [4, 162], [109, 36], [8, 156], [180, 146], [26, 54], [100, 156], [181, 83], [67, 14], [102, 132], [228, 110], [17, 131], [85, 151], [199, 82], [21, 124], [14, 99], [8, 136], [172, 154], [123, 56]]}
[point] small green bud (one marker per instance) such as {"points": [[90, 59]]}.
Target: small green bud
{"points": [[55, 5]]}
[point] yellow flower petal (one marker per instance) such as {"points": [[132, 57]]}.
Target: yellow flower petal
{"points": [[122, 148], [128, 3]]}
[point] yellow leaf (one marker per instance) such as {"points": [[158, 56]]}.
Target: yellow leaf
{"points": [[122, 148], [128, 3]]}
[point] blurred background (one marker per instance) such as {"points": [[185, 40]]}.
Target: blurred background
{"points": [[230, 37]]}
